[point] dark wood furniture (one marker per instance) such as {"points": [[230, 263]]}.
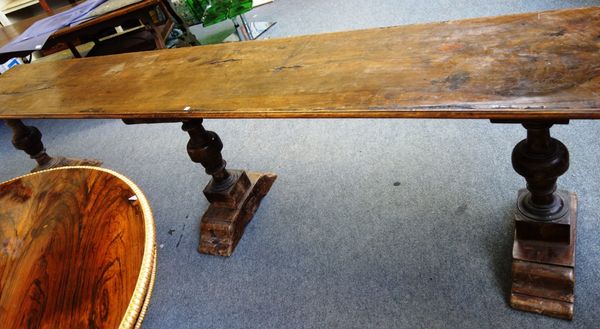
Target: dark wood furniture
{"points": [[536, 69], [143, 11], [78, 250], [91, 30]]}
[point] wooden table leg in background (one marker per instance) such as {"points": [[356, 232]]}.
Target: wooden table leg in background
{"points": [[543, 266], [168, 9], [29, 139], [234, 195], [45, 6]]}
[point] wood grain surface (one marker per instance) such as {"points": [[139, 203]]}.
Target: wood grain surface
{"points": [[537, 65], [71, 250]]}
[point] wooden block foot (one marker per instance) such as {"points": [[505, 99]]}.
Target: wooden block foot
{"points": [[549, 307], [223, 224], [543, 267], [57, 162]]}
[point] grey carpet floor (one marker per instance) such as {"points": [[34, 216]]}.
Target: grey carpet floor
{"points": [[371, 224]]}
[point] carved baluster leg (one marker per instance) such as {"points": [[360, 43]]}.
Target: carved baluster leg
{"points": [[29, 139], [543, 268], [234, 195]]}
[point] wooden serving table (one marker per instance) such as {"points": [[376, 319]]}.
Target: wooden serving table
{"points": [[537, 69]]}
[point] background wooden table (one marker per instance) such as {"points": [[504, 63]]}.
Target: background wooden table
{"points": [[143, 11]]}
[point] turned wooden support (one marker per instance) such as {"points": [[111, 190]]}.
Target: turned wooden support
{"points": [[543, 270], [234, 195], [541, 159], [29, 139], [205, 147]]}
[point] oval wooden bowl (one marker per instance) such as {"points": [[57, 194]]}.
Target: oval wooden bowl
{"points": [[77, 250]]}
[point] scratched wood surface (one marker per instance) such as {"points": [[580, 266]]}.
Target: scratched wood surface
{"points": [[537, 65], [71, 250]]}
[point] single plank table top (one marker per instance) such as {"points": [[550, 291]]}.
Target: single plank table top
{"points": [[527, 66]]}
